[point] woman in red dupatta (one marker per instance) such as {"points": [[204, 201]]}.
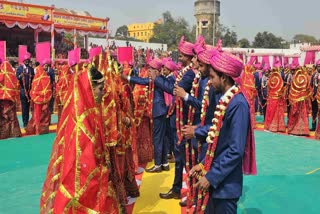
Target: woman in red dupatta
{"points": [[276, 103], [64, 79], [249, 86], [299, 94], [143, 120], [77, 176], [9, 95], [41, 93]]}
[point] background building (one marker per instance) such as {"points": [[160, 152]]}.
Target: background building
{"points": [[142, 31], [207, 13]]}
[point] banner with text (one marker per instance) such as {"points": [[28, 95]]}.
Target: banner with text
{"points": [[25, 11]]}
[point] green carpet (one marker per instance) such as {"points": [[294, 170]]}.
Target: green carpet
{"points": [[281, 186], [23, 164]]}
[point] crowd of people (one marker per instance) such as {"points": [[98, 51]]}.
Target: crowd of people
{"points": [[113, 118]]}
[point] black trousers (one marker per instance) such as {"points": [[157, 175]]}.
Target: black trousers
{"points": [[25, 107]]}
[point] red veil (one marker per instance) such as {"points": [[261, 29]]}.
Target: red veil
{"points": [[77, 176]]}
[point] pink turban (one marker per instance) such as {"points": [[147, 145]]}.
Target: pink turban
{"points": [[156, 64], [46, 61], [171, 65], [295, 63], [27, 56], [165, 60], [185, 47], [277, 64], [204, 55], [318, 63], [227, 63], [266, 68]]}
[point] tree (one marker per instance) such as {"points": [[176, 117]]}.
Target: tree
{"points": [[229, 38], [268, 40], [244, 43], [122, 31], [303, 38], [171, 30]]}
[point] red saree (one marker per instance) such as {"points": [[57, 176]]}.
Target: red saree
{"points": [[77, 176], [249, 86], [64, 79], [143, 121], [41, 93], [299, 94], [9, 94], [276, 104]]}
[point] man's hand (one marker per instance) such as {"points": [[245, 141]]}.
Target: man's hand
{"points": [[153, 74], [188, 131], [195, 170], [202, 184], [180, 92], [123, 76]]}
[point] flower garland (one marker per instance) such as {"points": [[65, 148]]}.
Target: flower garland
{"points": [[212, 140], [141, 105], [179, 106], [172, 106], [205, 103], [194, 93], [151, 94]]}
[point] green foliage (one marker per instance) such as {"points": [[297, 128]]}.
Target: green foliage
{"points": [[122, 32], [268, 40], [229, 38], [303, 38], [171, 30], [244, 43]]}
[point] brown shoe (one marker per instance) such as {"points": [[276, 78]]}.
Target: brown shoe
{"points": [[154, 169], [170, 195], [165, 168], [171, 160]]}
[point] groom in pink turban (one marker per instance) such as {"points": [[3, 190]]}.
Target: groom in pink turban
{"points": [[234, 154]]}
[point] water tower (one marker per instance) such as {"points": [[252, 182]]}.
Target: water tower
{"points": [[207, 13]]}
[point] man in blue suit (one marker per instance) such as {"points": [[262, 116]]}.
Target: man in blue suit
{"points": [[159, 113], [234, 153], [25, 74], [185, 57]]}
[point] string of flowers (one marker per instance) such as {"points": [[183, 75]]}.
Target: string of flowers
{"points": [[151, 94], [194, 93], [179, 105], [212, 140]]}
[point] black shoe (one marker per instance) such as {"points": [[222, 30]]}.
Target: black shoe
{"points": [[154, 169], [170, 195], [183, 203], [312, 130], [165, 168]]}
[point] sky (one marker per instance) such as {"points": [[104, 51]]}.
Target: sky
{"points": [[283, 18]]}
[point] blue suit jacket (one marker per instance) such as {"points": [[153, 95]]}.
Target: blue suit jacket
{"points": [[159, 107], [197, 102], [225, 174], [315, 88], [27, 78], [185, 83]]}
